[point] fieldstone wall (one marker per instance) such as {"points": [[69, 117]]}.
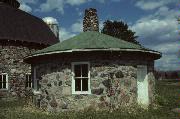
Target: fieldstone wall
{"points": [[113, 84], [11, 62]]}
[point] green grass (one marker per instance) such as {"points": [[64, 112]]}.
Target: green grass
{"points": [[167, 98]]}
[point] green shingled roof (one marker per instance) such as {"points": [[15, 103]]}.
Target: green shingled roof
{"points": [[90, 40]]}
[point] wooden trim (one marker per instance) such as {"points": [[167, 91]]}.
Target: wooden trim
{"points": [[73, 80]]}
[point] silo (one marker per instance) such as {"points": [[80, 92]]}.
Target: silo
{"points": [[53, 25]]}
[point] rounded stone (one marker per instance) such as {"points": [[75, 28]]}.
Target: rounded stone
{"points": [[119, 74]]}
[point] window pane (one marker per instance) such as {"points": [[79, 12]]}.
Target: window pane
{"points": [[4, 78], [1, 81], [30, 78], [77, 70], [77, 84], [26, 84], [26, 77], [29, 84], [0, 78], [85, 84], [4, 84], [38, 85], [84, 70]]}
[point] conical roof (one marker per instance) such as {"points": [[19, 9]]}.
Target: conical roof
{"points": [[93, 41], [21, 26]]}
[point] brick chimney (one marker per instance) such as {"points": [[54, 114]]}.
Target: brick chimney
{"points": [[90, 22]]}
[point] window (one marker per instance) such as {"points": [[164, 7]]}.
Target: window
{"points": [[28, 81], [4, 81], [35, 80], [81, 78]]}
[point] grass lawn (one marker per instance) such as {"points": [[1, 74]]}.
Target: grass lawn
{"points": [[167, 98]]}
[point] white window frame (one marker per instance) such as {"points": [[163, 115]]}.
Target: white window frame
{"points": [[29, 74], [73, 80], [7, 83]]}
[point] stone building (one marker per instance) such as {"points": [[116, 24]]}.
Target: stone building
{"points": [[93, 70], [20, 35]]}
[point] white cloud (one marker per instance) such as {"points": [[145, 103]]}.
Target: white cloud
{"points": [[159, 31], [49, 5], [168, 48], [75, 2], [158, 28], [25, 7], [100, 1], [153, 4], [64, 34], [168, 62], [74, 29], [29, 1], [162, 26], [101, 25], [149, 5], [77, 26], [58, 5]]}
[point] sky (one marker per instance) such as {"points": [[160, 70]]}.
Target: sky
{"points": [[154, 21]]}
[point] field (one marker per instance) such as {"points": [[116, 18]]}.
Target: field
{"points": [[167, 98]]}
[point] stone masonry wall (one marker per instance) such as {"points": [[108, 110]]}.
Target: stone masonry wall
{"points": [[11, 62], [113, 84]]}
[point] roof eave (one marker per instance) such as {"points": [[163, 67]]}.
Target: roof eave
{"points": [[89, 50]]}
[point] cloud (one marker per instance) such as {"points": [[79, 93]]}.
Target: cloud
{"points": [[25, 7], [101, 25], [153, 4], [64, 34], [162, 30], [162, 25], [170, 59], [77, 27], [29, 1], [168, 62], [75, 2], [74, 29], [159, 31], [100, 1], [58, 5]]}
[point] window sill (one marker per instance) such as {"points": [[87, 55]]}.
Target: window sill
{"points": [[35, 92], [81, 92], [3, 89]]}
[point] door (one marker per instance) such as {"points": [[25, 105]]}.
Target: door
{"points": [[142, 85]]}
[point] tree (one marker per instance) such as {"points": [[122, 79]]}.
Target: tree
{"points": [[120, 30]]}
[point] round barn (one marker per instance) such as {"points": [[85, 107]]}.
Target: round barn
{"points": [[93, 70], [21, 34]]}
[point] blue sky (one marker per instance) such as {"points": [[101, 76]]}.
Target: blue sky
{"points": [[154, 21]]}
